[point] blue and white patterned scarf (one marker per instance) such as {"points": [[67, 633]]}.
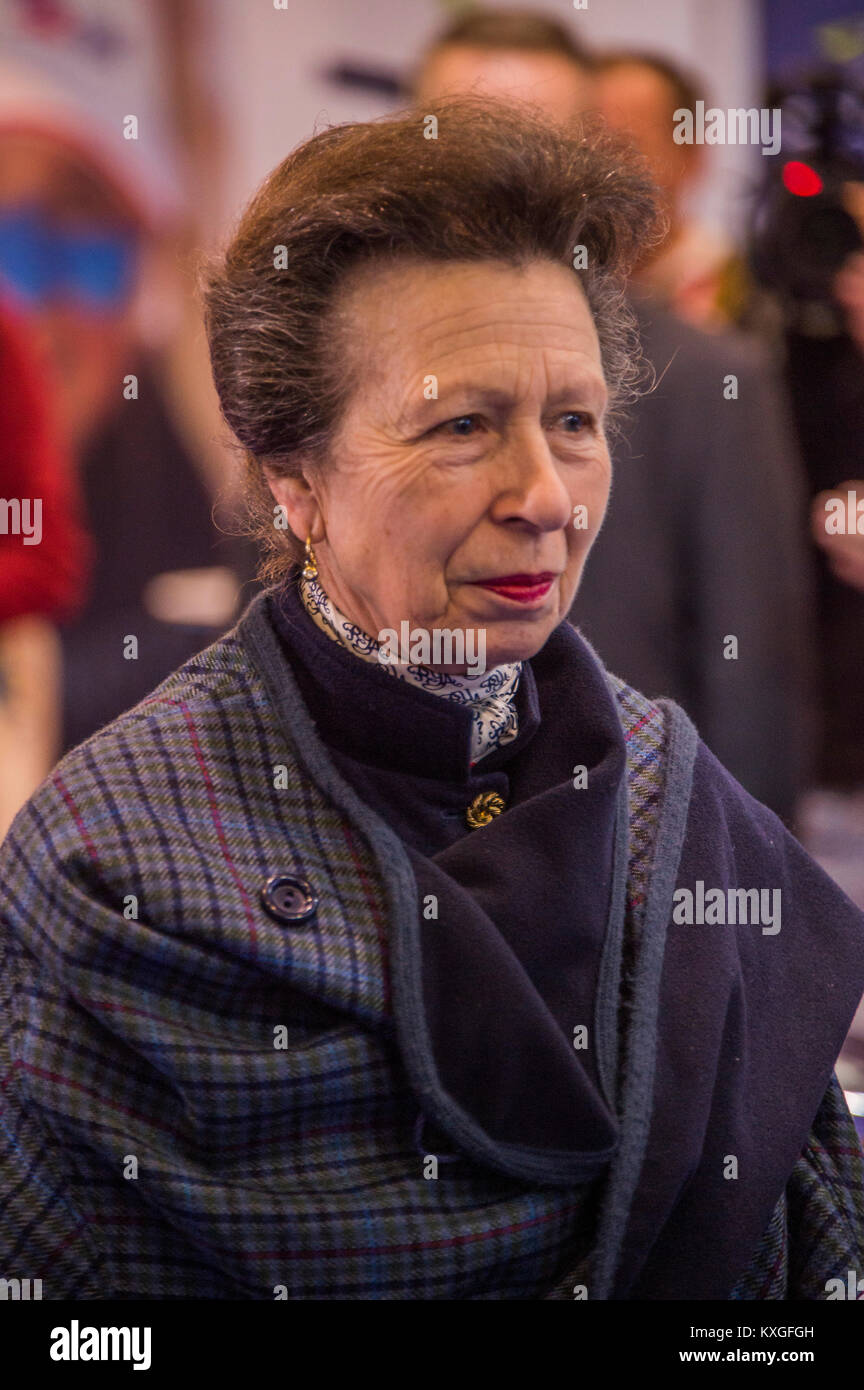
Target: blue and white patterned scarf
{"points": [[492, 696]]}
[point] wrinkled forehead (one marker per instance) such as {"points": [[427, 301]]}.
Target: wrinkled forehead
{"points": [[456, 321]]}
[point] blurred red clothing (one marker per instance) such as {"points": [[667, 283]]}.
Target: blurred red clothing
{"points": [[50, 578]]}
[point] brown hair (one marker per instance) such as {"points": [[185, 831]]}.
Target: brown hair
{"points": [[499, 183]]}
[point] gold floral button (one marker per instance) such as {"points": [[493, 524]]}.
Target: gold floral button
{"points": [[484, 808]]}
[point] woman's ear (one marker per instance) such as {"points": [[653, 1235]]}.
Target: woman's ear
{"points": [[300, 509]]}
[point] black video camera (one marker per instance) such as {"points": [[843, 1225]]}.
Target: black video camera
{"points": [[803, 229]]}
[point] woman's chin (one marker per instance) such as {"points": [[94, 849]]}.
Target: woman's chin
{"points": [[520, 644]]}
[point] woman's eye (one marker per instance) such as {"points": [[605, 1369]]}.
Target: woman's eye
{"points": [[462, 425], [574, 421]]}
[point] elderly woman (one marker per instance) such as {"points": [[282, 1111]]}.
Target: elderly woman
{"points": [[393, 948]]}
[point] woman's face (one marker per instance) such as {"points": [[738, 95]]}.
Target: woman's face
{"points": [[472, 443]]}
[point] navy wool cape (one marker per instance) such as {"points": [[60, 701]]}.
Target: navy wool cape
{"points": [[198, 1101]]}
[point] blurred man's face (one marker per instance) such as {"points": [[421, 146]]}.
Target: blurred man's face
{"points": [[638, 102], [68, 262], [559, 87]]}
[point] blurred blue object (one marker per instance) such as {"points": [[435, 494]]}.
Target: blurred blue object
{"points": [[41, 260]]}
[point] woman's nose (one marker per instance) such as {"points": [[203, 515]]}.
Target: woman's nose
{"points": [[531, 486]]}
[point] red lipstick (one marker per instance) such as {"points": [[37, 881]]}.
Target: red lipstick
{"points": [[522, 588]]}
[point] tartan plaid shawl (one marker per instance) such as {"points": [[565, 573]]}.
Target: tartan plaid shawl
{"points": [[197, 1103]]}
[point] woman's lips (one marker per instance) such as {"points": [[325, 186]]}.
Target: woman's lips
{"points": [[522, 588]]}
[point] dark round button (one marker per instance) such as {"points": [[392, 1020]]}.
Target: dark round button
{"points": [[288, 899]]}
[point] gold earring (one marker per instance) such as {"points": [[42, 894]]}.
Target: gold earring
{"points": [[310, 566]]}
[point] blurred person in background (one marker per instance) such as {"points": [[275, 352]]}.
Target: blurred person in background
{"points": [[705, 537], [808, 314], [694, 271], [87, 221], [844, 549], [527, 55], [834, 816], [43, 568]]}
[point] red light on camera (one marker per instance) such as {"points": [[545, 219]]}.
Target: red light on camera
{"points": [[801, 180]]}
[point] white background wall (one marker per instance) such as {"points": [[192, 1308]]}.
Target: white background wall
{"points": [[265, 66]]}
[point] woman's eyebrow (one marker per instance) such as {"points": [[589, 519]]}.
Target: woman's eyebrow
{"points": [[419, 409], [485, 394], [589, 387]]}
